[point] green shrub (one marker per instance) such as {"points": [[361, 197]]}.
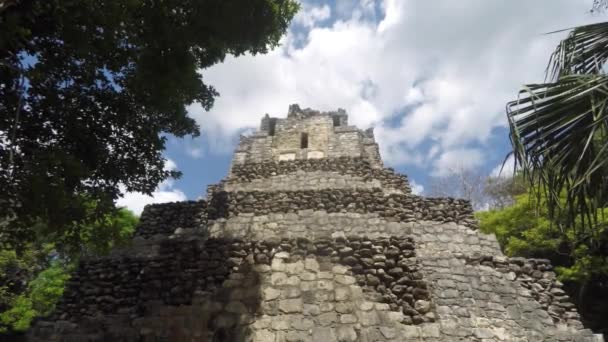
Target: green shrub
{"points": [[524, 229], [40, 298]]}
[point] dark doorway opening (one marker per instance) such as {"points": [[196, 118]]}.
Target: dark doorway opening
{"points": [[220, 336], [272, 124], [304, 140]]}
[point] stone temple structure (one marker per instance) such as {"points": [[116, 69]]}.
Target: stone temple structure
{"points": [[310, 238]]}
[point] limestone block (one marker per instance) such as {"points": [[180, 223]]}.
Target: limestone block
{"points": [[324, 334], [294, 305]]}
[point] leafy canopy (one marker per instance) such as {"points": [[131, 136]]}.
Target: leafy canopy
{"points": [[95, 237], [39, 300], [526, 229], [89, 89], [31, 283], [16, 271]]}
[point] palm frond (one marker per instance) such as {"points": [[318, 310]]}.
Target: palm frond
{"points": [[584, 51], [559, 135], [599, 5]]}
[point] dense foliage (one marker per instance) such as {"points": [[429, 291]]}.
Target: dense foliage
{"points": [[525, 229], [94, 238], [39, 299], [89, 89], [31, 282], [559, 128], [581, 259], [16, 272], [559, 133]]}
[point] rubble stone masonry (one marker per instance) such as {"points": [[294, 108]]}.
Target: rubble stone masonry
{"points": [[310, 238]]}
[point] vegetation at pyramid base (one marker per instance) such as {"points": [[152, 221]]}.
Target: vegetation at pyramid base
{"points": [[579, 252], [39, 299], [33, 280]]}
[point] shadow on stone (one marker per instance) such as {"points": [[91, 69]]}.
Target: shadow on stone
{"points": [[191, 289]]}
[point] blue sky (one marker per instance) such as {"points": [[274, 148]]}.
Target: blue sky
{"points": [[432, 78]]}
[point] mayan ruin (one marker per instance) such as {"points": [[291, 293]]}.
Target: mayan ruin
{"points": [[310, 238]]}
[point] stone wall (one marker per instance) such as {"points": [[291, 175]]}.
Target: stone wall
{"points": [[171, 274], [305, 181], [287, 138], [328, 136], [258, 215], [430, 236], [165, 218], [189, 288], [347, 141], [341, 289], [393, 207], [332, 249], [475, 302], [199, 288], [371, 150], [537, 276], [433, 238], [257, 148], [360, 168]]}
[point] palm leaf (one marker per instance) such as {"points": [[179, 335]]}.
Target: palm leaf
{"points": [[558, 132], [584, 51], [599, 5]]}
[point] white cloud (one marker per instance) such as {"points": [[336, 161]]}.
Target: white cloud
{"points": [[193, 147], [170, 165], [136, 202], [195, 152], [417, 189], [432, 76], [457, 159], [166, 192], [504, 170], [308, 16]]}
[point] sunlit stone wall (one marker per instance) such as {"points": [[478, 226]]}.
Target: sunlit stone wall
{"points": [[309, 238]]}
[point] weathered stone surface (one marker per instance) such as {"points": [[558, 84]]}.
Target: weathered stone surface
{"points": [[392, 207], [346, 334], [324, 334], [291, 305], [166, 218], [312, 243]]}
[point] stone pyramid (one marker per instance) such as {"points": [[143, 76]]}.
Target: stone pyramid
{"points": [[309, 238]]}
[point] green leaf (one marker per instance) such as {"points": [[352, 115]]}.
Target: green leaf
{"points": [[558, 132]]}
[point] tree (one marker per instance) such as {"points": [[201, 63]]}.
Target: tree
{"points": [[501, 192], [462, 183], [40, 299], [483, 191], [559, 128], [17, 271], [93, 238], [89, 90], [31, 283]]}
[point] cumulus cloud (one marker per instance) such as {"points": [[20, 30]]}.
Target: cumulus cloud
{"points": [[432, 77], [195, 152], [505, 169], [166, 192], [457, 159], [310, 15], [170, 165], [417, 189]]}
